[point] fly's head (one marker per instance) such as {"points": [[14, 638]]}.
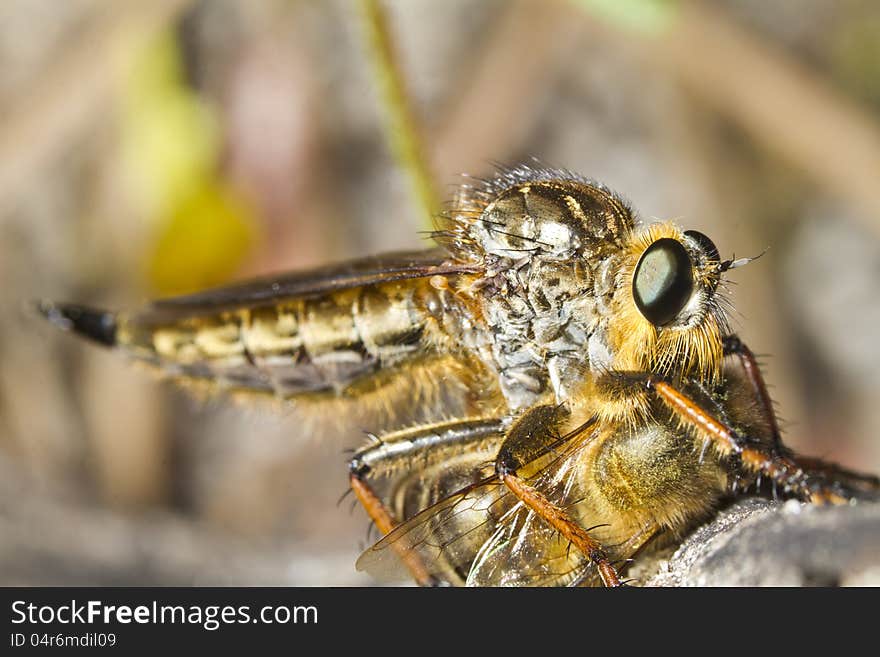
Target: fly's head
{"points": [[668, 315], [569, 275]]}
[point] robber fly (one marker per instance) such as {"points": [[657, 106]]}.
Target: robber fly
{"points": [[603, 406]]}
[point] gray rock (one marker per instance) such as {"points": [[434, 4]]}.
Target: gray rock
{"points": [[761, 543]]}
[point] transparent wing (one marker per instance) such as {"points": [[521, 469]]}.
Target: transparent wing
{"points": [[446, 536], [308, 283], [483, 535], [525, 550]]}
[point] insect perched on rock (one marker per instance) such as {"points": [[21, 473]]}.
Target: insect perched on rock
{"points": [[606, 406]]}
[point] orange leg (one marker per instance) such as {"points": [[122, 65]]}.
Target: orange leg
{"points": [[395, 452], [532, 435], [385, 522], [563, 523], [746, 454], [734, 346], [859, 480]]}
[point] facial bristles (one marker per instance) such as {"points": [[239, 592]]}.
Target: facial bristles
{"points": [[688, 347]]}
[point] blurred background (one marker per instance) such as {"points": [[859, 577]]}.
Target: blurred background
{"points": [[149, 149]]}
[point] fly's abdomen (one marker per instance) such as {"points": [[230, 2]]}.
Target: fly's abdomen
{"points": [[293, 346]]}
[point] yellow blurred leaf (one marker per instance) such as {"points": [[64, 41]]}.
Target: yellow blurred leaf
{"points": [[172, 143], [170, 136], [204, 240]]}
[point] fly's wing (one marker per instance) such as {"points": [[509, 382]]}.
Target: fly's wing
{"points": [[317, 331], [102, 326], [446, 536], [307, 284], [525, 550], [528, 552], [484, 536]]}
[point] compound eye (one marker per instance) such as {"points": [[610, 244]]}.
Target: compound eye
{"points": [[663, 282], [706, 245]]}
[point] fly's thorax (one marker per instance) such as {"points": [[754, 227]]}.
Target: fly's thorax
{"points": [[544, 238], [534, 210], [540, 313], [667, 315], [560, 219]]}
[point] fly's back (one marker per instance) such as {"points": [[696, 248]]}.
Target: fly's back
{"points": [[328, 341], [296, 346], [549, 243]]}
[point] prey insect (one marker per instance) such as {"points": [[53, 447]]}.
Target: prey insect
{"points": [[601, 405]]}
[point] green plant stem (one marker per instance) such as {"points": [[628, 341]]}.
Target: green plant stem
{"points": [[401, 126]]}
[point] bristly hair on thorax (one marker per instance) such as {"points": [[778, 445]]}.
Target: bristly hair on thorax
{"points": [[472, 197], [691, 347]]}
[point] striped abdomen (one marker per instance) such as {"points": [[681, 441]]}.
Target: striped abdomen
{"points": [[297, 345]]}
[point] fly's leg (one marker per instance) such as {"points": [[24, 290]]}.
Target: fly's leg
{"points": [[535, 433], [400, 450], [736, 347], [749, 455], [755, 458], [859, 480], [563, 523], [385, 522]]}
